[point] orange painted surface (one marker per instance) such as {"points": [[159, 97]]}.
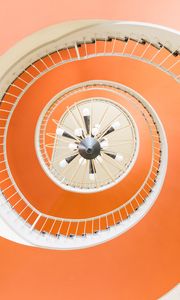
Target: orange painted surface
{"points": [[143, 263], [145, 248], [35, 15], [22, 158]]}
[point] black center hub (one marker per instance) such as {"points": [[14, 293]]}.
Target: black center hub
{"points": [[89, 148]]}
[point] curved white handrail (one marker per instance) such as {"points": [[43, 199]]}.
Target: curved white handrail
{"points": [[55, 37]]}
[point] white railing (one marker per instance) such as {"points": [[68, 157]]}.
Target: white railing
{"points": [[76, 46]]}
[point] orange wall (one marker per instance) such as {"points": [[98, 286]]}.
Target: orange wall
{"points": [[143, 263], [20, 18]]}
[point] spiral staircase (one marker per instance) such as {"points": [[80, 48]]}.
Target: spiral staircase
{"points": [[84, 152]]}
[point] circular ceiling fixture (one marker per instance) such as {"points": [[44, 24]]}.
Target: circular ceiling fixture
{"points": [[83, 151], [94, 143]]}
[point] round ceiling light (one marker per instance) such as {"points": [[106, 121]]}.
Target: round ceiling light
{"points": [[94, 143]]}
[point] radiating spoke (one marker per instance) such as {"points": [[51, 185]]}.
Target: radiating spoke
{"points": [[63, 163], [58, 147], [92, 171], [84, 173], [103, 115], [113, 128], [108, 126], [111, 145], [86, 116], [95, 173], [100, 161], [112, 162], [61, 132], [76, 171], [91, 118], [80, 115], [115, 156], [74, 117]]}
